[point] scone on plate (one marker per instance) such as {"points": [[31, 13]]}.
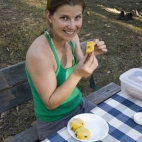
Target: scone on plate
{"points": [[82, 133], [76, 123]]}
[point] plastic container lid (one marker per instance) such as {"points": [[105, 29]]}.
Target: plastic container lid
{"points": [[138, 118], [133, 77]]}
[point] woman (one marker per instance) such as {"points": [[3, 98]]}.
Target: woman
{"points": [[55, 64]]}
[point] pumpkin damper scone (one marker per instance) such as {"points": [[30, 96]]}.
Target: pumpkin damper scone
{"points": [[76, 123], [82, 133], [89, 47]]}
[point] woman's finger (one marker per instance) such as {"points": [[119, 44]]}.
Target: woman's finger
{"points": [[84, 58], [104, 50], [96, 41], [89, 59], [100, 43], [102, 47], [94, 65]]}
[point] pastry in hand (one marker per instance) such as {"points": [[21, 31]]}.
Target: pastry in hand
{"points": [[82, 133], [89, 47], [76, 123]]}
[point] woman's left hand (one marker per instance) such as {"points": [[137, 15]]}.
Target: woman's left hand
{"points": [[100, 47]]}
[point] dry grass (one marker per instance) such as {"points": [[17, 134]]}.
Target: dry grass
{"points": [[23, 20]]}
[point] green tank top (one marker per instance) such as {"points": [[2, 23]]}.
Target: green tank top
{"points": [[70, 104]]}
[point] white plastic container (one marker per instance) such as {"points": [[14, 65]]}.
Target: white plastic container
{"points": [[131, 83]]}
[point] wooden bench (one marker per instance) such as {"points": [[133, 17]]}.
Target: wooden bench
{"points": [[15, 90]]}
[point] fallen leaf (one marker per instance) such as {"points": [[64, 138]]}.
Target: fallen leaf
{"points": [[26, 34], [17, 108], [86, 35], [88, 12], [7, 22], [108, 34], [89, 22], [3, 114], [103, 58], [7, 49], [108, 72], [11, 53], [108, 26]]}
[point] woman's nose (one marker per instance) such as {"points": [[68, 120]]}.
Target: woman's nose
{"points": [[71, 24]]}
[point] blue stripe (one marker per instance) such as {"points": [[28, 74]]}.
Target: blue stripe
{"points": [[127, 103], [56, 138], [130, 122], [120, 116], [122, 137]]}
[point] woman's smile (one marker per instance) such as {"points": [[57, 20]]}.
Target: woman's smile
{"points": [[70, 33]]}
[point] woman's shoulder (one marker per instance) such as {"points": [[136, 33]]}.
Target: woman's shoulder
{"points": [[39, 49]]}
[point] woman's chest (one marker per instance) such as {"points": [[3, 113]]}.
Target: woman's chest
{"points": [[66, 58]]}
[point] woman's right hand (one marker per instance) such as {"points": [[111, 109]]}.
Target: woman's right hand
{"points": [[86, 66]]}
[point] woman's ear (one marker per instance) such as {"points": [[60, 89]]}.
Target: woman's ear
{"points": [[48, 16]]}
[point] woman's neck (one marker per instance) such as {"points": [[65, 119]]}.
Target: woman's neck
{"points": [[59, 44]]}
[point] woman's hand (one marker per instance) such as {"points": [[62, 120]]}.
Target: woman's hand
{"points": [[100, 47], [86, 66]]}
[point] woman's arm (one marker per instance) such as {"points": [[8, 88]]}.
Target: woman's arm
{"points": [[78, 52], [40, 64]]}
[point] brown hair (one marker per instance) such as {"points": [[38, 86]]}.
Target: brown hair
{"points": [[53, 5]]}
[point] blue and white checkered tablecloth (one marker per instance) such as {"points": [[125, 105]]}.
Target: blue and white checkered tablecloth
{"points": [[118, 111]]}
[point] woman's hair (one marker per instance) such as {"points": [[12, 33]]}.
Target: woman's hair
{"points": [[53, 5]]}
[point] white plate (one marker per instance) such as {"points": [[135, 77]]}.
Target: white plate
{"points": [[97, 126]]}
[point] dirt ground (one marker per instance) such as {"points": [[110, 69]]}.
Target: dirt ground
{"points": [[21, 21]]}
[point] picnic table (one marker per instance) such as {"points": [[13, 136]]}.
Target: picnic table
{"points": [[15, 90], [118, 111]]}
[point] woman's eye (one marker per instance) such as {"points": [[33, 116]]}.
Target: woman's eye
{"points": [[64, 18], [78, 17]]}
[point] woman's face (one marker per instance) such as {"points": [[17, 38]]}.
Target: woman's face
{"points": [[66, 22]]}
